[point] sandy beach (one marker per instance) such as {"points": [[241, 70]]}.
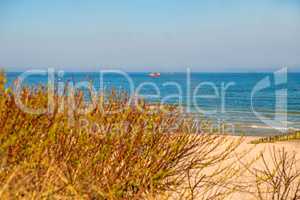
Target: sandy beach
{"points": [[291, 147], [246, 157]]}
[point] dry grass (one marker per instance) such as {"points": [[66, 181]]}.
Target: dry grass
{"points": [[279, 138]]}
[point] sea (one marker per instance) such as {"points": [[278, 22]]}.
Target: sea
{"points": [[257, 104]]}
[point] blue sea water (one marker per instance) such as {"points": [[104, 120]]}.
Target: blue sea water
{"points": [[204, 91]]}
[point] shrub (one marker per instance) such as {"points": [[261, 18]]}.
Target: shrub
{"points": [[134, 153]]}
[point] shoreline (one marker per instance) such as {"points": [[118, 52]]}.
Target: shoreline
{"points": [[258, 129]]}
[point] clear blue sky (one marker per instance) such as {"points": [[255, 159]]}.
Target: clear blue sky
{"points": [[140, 35]]}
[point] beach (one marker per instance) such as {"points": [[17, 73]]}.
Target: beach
{"points": [[247, 159], [291, 147]]}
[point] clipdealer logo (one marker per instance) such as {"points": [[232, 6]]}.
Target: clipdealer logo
{"points": [[279, 121]]}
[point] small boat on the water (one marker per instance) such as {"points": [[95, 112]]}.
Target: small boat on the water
{"points": [[154, 74]]}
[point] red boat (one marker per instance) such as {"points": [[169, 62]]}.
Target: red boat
{"points": [[155, 74]]}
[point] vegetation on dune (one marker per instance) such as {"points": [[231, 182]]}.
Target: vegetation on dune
{"points": [[279, 138], [100, 155], [135, 153]]}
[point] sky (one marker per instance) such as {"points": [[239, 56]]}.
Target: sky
{"points": [[150, 35]]}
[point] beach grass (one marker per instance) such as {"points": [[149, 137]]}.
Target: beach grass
{"points": [[279, 138]]}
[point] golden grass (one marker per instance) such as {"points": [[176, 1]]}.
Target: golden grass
{"points": [[279, 138]]}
